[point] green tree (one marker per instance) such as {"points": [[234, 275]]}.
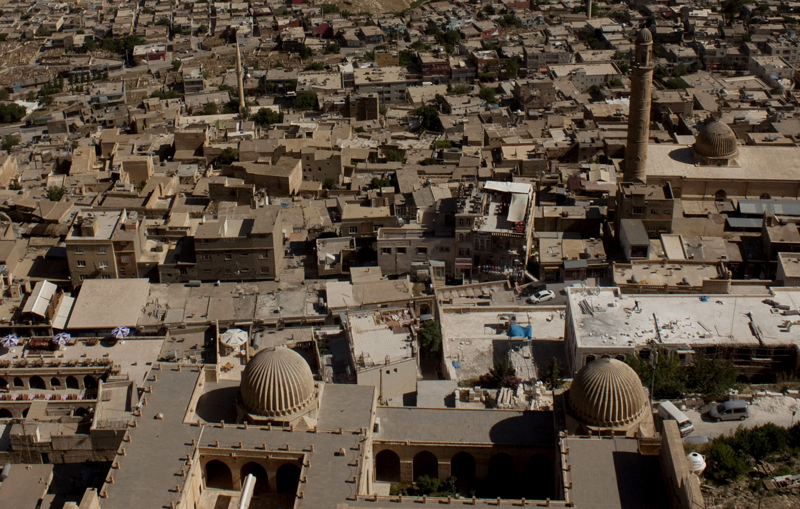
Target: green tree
{"points": [[711, 377], [444, 144], [512, 68], [725, 464], [330, 8], [227, 156], [12, 112], [666, 380], [430, 338], [55, 193], [394, 156], [305, 52], [428, 118], [305, 101], [552, 375], [210, 109], [674, 83], [43, 31], [460, 90], [202, 29], [140, 186], [406, 57], [333, 49], [315, 66], [163, 20], [429, 161], [501, 374], [330, 184], [9, 141], [176, 65], [487, 94], [267, 117]]}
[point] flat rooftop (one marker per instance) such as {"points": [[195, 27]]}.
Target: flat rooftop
{"points": [[605, 317], [91, 309], [378, 335], [658, 274]]}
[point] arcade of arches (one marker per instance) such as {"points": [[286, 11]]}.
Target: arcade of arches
{"points": [[273, 475], [487, 472]]}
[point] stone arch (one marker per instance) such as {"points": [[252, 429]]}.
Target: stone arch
{"points": [[287, 477], [80, 412], [5, 413], [218, 475], [55, 382], [3, 384], [425, 463], [501, 466], [720, 195], [260, 473], [424, 309], [18, 382], [620, 358], [539, 477], [36, 382], [590, 358], [72, 383], [89, 382], [462, 467], [25, 412], [387, 466]]}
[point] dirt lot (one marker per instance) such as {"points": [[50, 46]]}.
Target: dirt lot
{"points": [[777, 410], [372, 6]]}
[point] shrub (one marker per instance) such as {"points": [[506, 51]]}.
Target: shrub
{"points": [[227, 156], [9, 141], [305, 101], [11, 112], [430, 338], [444, 144], [487, 94], [267, 117], [394, 156], [55, 193]]}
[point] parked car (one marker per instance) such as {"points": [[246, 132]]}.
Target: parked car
{"points": [[730, 411], [541, 296]]}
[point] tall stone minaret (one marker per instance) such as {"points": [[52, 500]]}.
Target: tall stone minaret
{"points": [[239, 73], [639, 115]]}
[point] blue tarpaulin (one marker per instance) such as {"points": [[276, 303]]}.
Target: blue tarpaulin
{"points": [[518, 331], [455, 364]]}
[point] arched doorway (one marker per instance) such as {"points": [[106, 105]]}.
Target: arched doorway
{"points": [[3, 384], [462, 468], [72, 383], [89, 382], [425, 463], [18, 382], [720, 195], [36, 382], [501, 481], [287, 477], [539, 478], [387, 466], [501, 465], [5, 413], [218, 475], [55, 382], [262, 478]]}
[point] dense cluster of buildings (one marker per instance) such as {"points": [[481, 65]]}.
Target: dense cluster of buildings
{"points": [[227, 230]]}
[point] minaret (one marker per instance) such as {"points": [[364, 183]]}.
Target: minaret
{"points": [[639, 114], [589, 9], [239, 73]]}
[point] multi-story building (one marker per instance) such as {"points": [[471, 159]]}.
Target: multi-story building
{"points": [[653, 204], [584, 76], [110, 245], [434, 70], [389, 83], [534, 93], [321, 165], [410, 250], [239, 247], [539, 57]]}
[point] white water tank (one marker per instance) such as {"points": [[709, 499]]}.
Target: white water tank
{"points": [[697, 462]]}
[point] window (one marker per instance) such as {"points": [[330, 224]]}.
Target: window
{"points": [[122, 271], [386, 250], [228, 256], [638, 210], [103, 265], [125, 259], [78, 250], [401, 250], [245, 269], [105, 276], [183, 271], [654, 212], [376, 228], [243, 255], [353, 230], [264, 255], [265, 270], [464, 251], [205, 257], [81, 263], [228, 271], [101, 249], [422, 250], [83, 277], [444, 249]]}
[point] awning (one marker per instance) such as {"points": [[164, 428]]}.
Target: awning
{"points": [[517, 208], [463, 263], [508, 187]]}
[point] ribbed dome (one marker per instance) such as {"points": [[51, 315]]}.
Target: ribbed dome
{"points": [[607, 393], [644, 36], [716, 140], [276, 383]]}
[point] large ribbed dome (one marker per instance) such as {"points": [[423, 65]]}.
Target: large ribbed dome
{"points": [[277, 383], [607, 393], [644, 36], [716, 141]]}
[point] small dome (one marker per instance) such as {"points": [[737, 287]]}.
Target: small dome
{"points": [[717, 141], [276, 383], [644, 36], [607, 393]]}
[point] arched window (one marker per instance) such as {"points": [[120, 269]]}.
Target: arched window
{"points": [[5, 413], [262, 479], [72, 383], [720, 195], [218, 475], [590, 358], [387, 466], [425, 463], [18, 382], [287, 477], [3, 384], [55, 382], [89, 382], [36, 382], [462, 467]]}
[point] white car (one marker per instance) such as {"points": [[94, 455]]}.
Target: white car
{"points": [[541, 296]]}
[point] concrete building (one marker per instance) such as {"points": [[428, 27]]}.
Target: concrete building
{"points": [[388, 83], [654, 205]]}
